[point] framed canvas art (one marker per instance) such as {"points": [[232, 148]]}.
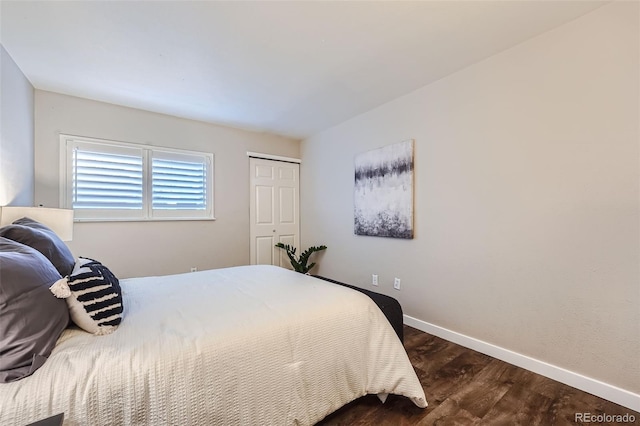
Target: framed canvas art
{"points": [[383, 192]]}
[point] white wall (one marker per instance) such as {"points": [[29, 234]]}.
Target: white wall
{"points": [[155, 248], [526, 199], [16, 134]]}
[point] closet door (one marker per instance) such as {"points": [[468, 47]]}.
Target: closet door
{"points": [[274, 210]]}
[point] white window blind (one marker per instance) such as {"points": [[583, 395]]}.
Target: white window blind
{"points": [[179, 184], [107, 180]]}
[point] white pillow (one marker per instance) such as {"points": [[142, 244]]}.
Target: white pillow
{"points": [[93, 295]]}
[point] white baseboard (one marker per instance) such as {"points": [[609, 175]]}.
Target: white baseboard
{"points": [[603, 390]]}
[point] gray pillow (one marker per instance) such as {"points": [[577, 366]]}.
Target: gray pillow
{"points": [[31, 318], [34, 234]]}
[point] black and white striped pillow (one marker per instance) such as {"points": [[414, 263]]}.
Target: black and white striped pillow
{"points": [[93, 295]]}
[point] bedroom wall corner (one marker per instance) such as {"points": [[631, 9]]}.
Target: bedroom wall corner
{"points": [[527, 199], [16, 134]]}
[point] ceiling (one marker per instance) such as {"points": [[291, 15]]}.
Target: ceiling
{"points": [[288, 68]]}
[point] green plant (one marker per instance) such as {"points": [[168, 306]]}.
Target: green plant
{"points": [[300, 264]]}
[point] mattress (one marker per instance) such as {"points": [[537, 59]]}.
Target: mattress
{"points": [[244, 345]]}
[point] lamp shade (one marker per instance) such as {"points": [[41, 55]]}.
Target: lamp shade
{"points": [[59, 220]]}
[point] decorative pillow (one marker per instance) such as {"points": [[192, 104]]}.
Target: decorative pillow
{"points": [[31, 318], [34, 234], [94, 296]]}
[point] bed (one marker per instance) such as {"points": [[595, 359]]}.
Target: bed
{"points": [[243, 345]]}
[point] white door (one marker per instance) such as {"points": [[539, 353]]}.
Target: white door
{"points": [[274, 210]]}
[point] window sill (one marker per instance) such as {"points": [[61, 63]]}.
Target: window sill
{"points": [[130, 219]]}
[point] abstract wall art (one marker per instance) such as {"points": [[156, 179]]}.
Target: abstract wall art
{"points": [[383, 192]]}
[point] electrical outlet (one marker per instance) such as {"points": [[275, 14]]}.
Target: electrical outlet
{"points": [[396, 283], [374, 279], [194, 269]]}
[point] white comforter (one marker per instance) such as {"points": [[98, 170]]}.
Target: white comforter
{"points": [[251, 345]]}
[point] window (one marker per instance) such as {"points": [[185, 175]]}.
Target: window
{"points": [[106, 180]]}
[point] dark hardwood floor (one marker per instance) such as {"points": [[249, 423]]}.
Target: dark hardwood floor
{"points": [[464, 387]]}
